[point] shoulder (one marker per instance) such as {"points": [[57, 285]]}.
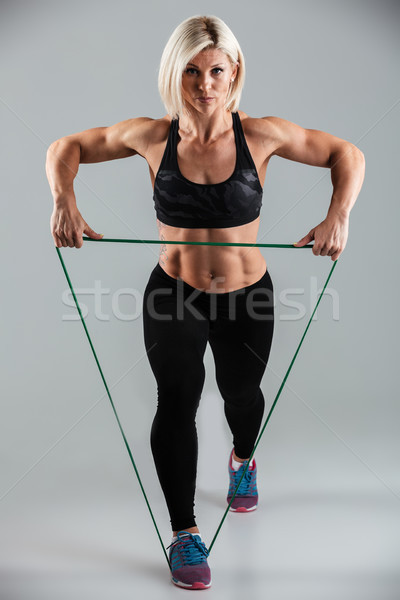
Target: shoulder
{"points": [[265, 131], [272, 126], [143, 132]]}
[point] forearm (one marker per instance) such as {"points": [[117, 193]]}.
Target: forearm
{"points": [[347, 174], [62, 164]]}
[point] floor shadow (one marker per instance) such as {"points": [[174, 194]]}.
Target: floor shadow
{"points": [[103, 558], [212, 497]]}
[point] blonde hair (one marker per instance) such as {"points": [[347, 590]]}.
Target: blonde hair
{"points": [[188, 39]]}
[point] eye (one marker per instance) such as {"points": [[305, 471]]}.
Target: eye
{"points": [[190, 69]]}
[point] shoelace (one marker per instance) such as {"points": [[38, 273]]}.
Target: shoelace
{"points": [[193, 550], [247, 485]]}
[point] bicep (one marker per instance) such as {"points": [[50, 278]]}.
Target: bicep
{"points": [[308, 146], [121, 140]]}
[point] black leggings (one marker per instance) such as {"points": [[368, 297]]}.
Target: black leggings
{"points": [[178, 320]]}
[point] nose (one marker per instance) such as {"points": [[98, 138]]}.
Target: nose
{"points": [[204, 82]]}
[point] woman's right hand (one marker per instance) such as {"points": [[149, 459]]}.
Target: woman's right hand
{"points": [[67, 224]]}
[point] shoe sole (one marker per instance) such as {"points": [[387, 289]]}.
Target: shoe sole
{"points": [[196, 585], [242, 509]]}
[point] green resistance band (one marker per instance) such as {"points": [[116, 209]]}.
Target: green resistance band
{"points": [[115, 240]]}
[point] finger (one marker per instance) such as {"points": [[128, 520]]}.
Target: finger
{"points": [[92, 234], [306, 239], [59, 234], [301, 242], [78, 241], [62, 239], [57, 240]]}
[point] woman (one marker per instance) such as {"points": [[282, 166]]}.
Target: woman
{"points": [[207, 163]]}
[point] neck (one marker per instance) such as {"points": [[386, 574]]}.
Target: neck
{"points": [[206, 128]]}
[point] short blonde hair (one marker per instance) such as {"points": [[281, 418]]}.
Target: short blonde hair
{"points": [[188, 39]]}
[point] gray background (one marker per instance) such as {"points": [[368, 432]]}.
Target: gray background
{"points": [[73, 521]]}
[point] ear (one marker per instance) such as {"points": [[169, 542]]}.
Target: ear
{"points": [[235, 70]]}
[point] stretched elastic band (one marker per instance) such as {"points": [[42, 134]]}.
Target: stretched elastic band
{"points": [[108, 391]]}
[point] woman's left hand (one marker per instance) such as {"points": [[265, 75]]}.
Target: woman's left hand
{"points": [[330, 236]]}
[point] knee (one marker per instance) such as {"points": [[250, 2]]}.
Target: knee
{"points": [[179, 395], [180, 382], [243, 397]]}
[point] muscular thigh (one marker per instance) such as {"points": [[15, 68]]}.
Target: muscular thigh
{"points": [[175, 336], [241, 345]]}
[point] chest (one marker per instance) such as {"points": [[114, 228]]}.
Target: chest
{"points": [[211, 164], [207, 165]]}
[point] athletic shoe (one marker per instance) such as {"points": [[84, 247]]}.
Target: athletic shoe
{"points": [[246, 498], [188, 558]]}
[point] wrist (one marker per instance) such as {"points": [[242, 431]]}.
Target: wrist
{"points": [[64, 198], [339, 213]]}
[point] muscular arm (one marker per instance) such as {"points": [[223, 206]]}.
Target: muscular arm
{"points": [[321, 149], [98, 144]]}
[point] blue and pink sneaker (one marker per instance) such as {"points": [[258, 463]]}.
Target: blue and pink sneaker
{"points": [[188, 558], [246, 498]]}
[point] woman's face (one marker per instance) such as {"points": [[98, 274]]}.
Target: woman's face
{"points": [[208, 75]]}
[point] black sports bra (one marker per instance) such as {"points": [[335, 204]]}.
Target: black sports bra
{"points": [[183, 203]]}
